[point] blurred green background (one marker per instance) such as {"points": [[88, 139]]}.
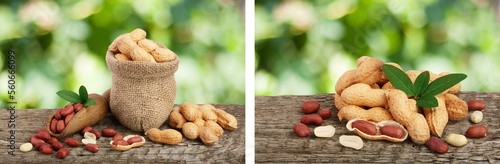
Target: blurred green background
{"points": [[62, 45], [303, 47]]}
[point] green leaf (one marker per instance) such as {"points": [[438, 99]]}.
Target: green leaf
{"points": [[443, 83], [399, 79], [421, 83], [83, 93], [89, 102], [69, 96], [427, 102]]}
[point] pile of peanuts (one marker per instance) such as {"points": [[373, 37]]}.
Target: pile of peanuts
{"points": [[309, 107], [205, 122], [366, 93], [134, 47], [46, 144], [63, 116]]}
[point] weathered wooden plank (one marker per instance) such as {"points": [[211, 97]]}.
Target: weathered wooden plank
{"points": [[275, 140], [229, 149]]}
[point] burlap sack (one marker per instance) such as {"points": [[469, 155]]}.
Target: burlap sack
{"points": [[142, 93]]}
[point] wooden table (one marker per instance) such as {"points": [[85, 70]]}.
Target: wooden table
{"points": [[229, 149], [275, 140]]}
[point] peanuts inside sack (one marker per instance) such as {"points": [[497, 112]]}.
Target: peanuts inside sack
{"points": [[143, 83]]}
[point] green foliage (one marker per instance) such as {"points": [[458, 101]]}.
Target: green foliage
{"points": [[75, 98], [399, 79], [421, 90]]}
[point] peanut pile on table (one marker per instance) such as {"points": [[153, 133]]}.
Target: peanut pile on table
{"points": [[365, 93]]}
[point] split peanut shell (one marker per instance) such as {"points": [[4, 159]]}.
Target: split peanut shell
{"points": [[128, 147], [379, 136]]}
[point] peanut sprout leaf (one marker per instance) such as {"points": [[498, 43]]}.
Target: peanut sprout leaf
{"points": [[421, 83], [89, 102], [427, 102], [83, 93], [69, 96], [443, 83], [399, 79]]}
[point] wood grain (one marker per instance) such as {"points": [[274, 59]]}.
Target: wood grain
{"points": [[275, 140], [229, 149]]}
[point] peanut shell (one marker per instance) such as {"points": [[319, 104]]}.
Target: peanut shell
{"points": [[168, 136], [218, 131], [176, 119], [379, 136], [208, 136], [226, 120], [190, 130]]}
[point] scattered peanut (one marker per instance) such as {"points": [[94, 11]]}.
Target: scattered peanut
{"points": [[168, 136], [52, 140], [476, 105], [87, 141], [301, 130], [92, 148], [310, 107], [89, 135], [476, 117], [35, 141], [25, 147], [57, 145], [46, 149], [437, 146], [39, 145], [324, 131], [43, 135], [86, 129], [351, 141], [325, 113], [72, 142], [108, 132], [62, 153], [312, 119], [477, 131], [456, 139]]}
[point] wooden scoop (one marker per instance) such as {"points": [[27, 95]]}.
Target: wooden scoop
{"points": [[85, 117]]}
